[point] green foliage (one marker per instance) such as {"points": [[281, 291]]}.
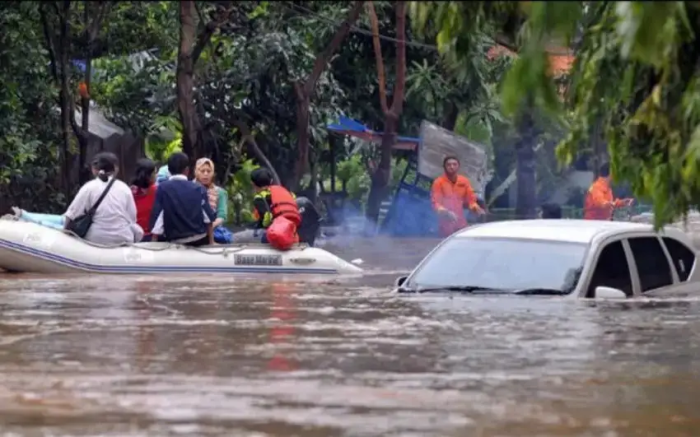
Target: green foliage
{"points": [[240, 192], [28, 120]]}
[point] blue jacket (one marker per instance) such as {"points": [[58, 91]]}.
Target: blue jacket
{"points": [[183, 209]]}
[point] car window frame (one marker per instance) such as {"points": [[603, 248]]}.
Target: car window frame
{"points": [[593, 263], [673, 264], [674, 275]]}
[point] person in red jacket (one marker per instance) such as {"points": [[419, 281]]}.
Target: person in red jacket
{"points": [[143, 187]]}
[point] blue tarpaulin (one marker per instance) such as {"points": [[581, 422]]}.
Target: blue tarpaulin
{"points": [[353, 128]]}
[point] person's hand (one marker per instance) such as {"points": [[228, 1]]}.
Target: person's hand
{"points": [[628, 202], [478, 210], [217, 222], [449, 215]]}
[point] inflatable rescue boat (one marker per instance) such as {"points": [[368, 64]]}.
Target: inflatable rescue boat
{"points": [[34, 248]]}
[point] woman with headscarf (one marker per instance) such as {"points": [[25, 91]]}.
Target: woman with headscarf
{"points": [[218, 198]]}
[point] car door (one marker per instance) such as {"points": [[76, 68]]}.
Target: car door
{"points": [[683, 258], [611, 268], [653, 267]]}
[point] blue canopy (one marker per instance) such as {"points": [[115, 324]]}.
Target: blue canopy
{"points": [[353, 128]]}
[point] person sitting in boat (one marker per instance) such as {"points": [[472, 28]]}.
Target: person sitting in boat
{"points": [[218, 198], [143, 188], [163, 174], [310, 221], [181, 211], [114, 221], [272, 203]]}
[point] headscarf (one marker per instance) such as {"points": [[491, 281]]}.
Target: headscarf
{"points": [[212, 189]]}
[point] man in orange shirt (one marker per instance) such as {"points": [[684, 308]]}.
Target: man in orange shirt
{"points": [[600, 203], [450, 194]]}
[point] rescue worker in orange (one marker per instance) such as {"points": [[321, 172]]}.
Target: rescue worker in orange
{"points": [[600, 203], [272, 201], [450, 194]]}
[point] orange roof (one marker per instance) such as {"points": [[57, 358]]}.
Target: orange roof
{"points": [[558, 64]]}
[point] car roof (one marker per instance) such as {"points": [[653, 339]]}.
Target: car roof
{"points": [[564, 230]]}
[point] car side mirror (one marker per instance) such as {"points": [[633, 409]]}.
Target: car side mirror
{"points": [[609, 293], [400, 281]]}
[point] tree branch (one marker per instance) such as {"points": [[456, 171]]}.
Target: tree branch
{"points": [[400, 85], [322, 59], [206, 33], [248, 138], [378, 56], [50, 45], [94, 27]]}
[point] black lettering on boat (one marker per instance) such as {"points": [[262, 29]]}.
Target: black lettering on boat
{"points": [[258, 260]]}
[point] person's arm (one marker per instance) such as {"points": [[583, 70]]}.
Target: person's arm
{"points": [[221, 208], [209, 215], [470, 198], [436, 196], [156, 219], [261, 211], [77, 207]]}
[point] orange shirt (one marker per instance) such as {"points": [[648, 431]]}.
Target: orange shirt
{"points": [[446, 195], [596, 205]]}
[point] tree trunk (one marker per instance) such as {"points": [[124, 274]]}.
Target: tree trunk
{"points": [[526, 164], [302, 156], [191, 47], [451, 112], [64, 97], [382, 174], [185, 79], [304, 92]]}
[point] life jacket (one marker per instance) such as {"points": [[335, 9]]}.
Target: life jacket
{"points": [[283, 204]]}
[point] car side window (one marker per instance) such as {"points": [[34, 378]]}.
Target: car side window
{"points": [[683, 258], [652, 265], [611, 270]]}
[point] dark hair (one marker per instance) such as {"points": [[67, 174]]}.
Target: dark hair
{"points": [[106, 164], [551, 211], [178, 163], [605, 170], [449, 158], [261, 177], [144, 173]]}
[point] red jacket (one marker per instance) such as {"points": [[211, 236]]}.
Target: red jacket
{"points": [[144, 204]]}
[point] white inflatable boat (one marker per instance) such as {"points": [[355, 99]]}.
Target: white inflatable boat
{"points": [[33, 248]]}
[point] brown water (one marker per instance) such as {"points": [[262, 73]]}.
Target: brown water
{"points": [[146, 356]]}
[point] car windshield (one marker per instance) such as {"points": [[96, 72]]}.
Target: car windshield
{"points": [[503, 264]]}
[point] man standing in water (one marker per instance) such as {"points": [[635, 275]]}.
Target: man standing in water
{"points": [[450, 194], [600, 203]]}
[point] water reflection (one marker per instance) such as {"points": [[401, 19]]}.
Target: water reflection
{"points": [[317, 356]]}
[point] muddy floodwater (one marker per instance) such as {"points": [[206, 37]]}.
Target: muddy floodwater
{"points": [[310, 356]]}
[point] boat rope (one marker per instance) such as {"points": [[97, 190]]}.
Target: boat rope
{"points": [[225, 250]]}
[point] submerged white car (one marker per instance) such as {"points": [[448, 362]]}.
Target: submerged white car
{"points": [[574, 258]]}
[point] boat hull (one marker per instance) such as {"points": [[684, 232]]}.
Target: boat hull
{"points": [[33, 248]]}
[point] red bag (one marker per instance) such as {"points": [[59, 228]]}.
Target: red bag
{"points": [[282, 234]]}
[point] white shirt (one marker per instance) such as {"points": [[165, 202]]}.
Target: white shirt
{"points": [[114, 221]]}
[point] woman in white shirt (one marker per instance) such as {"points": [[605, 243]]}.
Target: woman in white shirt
{"points": [[114, 221]]}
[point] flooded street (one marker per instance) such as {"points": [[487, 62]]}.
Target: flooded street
{"points": [[293, 356]]}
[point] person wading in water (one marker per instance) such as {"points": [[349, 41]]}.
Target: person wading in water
{"points": [[450, 194]]}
